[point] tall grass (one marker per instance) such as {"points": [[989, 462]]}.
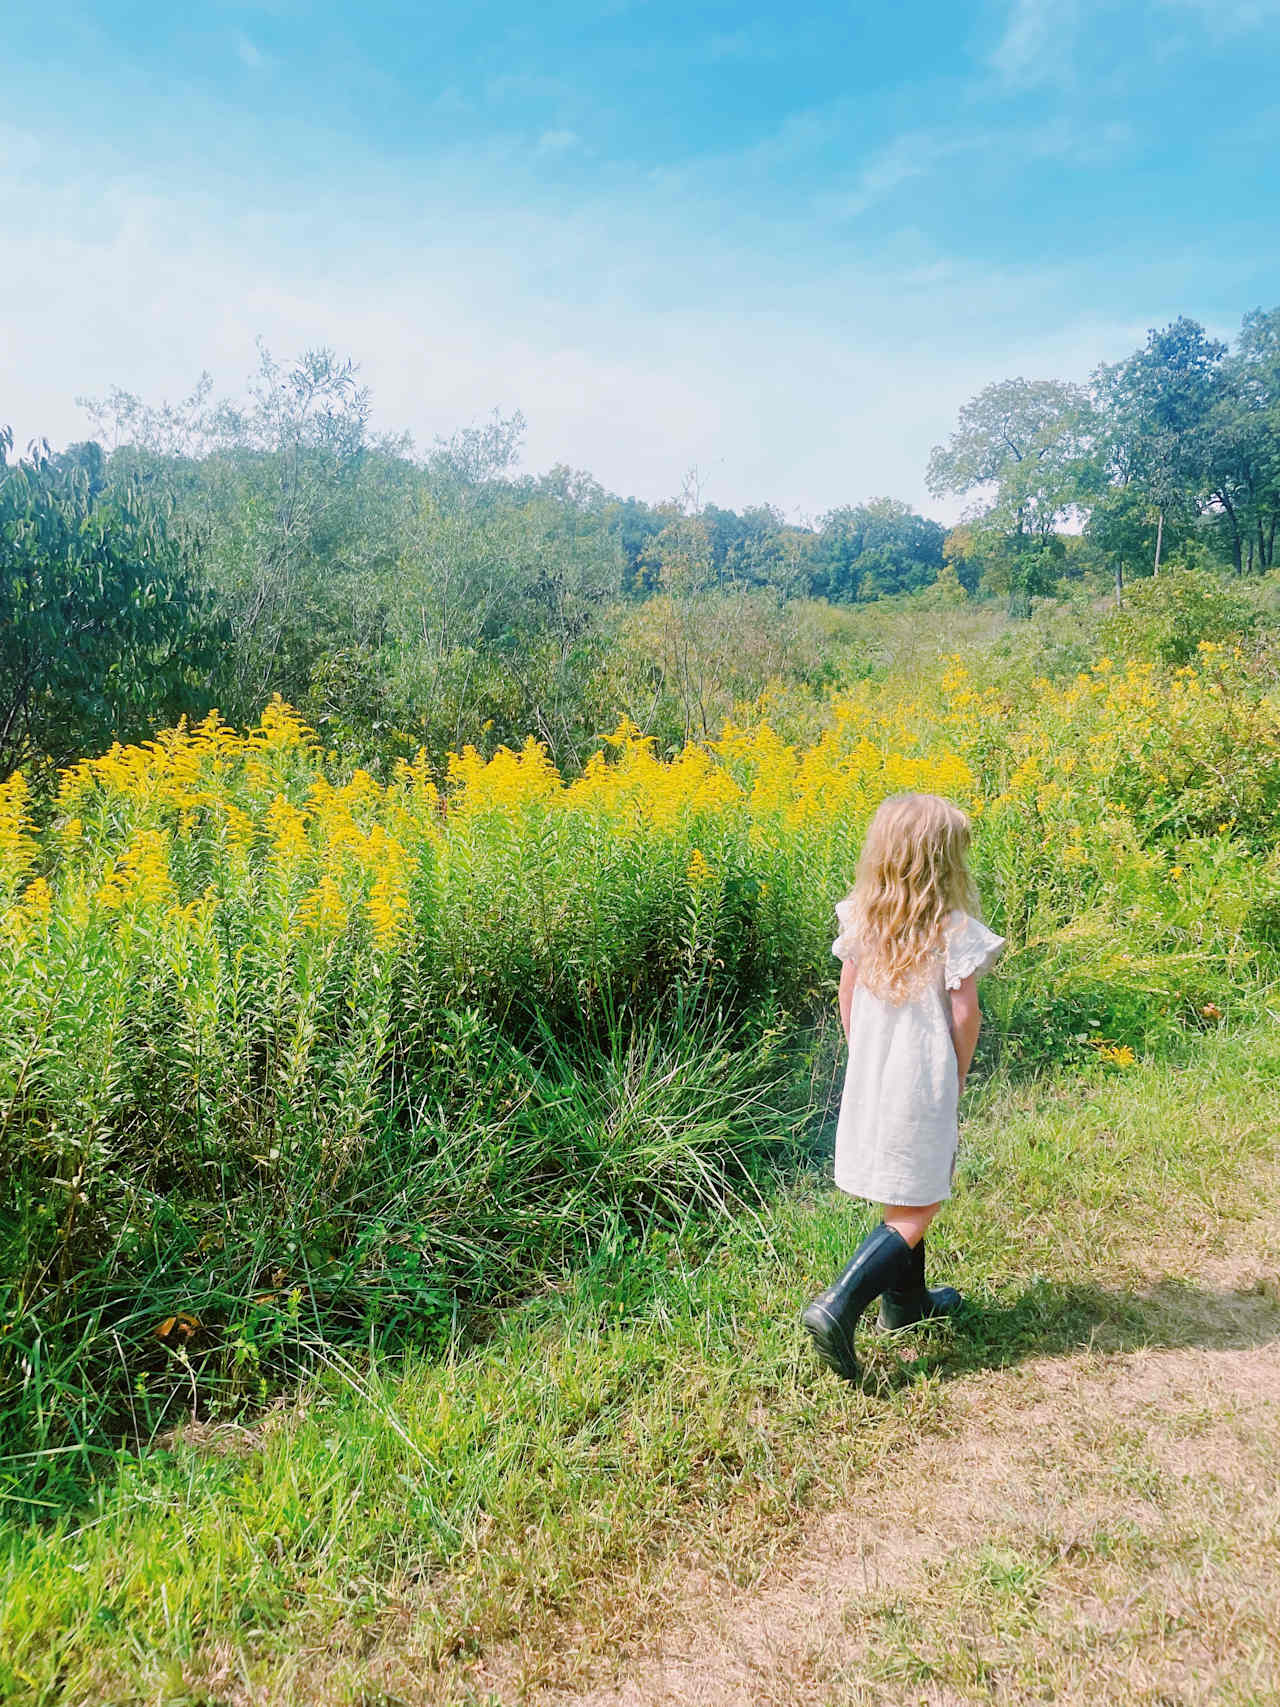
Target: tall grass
{"points": [[217, 1284]]}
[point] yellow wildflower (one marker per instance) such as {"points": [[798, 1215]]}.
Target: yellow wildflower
{"points": [[698, 871], [36, 900], [288, 828], [17, 846], [1117, 1054], [388, 910], [140, 877], [324, 909]]}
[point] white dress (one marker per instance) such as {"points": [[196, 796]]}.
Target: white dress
{"points": [[897, 1131]]}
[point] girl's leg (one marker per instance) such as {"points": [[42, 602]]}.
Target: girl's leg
{"points": [[911, 1222]]}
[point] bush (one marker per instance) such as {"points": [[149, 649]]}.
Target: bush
{"points": [[1168, 618]]}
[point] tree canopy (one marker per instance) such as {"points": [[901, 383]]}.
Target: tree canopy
{"points": [[219, 550], [1175, 447], [103, 628]]}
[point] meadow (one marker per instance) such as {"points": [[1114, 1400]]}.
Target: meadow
{"points": [[459, 1111]]}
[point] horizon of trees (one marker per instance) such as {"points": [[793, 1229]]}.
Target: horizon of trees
{"points": [[220, 550]]}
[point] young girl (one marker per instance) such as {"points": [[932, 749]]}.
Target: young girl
{"points": [[912, 949]]}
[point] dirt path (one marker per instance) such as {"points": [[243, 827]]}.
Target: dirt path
{"points": [[1100, 1528]]}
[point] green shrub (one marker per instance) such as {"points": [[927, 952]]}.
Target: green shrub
{"points": [[1169, 617]]}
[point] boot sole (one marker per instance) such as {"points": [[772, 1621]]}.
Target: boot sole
{"points": [[830, 1343]]}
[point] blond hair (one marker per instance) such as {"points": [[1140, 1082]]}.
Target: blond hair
{"points": [[911, 876]]}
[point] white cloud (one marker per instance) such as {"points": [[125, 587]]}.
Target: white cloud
{"points": [[1035, 46], [805, 389], [906, 157], [918, 154], [249, 54], [557, 141]]}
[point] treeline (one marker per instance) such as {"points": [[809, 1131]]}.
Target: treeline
{"points": [[220, 551]]}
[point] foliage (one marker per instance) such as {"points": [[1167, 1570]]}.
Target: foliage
{"points": [[296, 526], [1177, 443], [1029, 441], [1029, 444], [441, 597], [1172, 617], [341, 1029], [403, 598], [660, 1402], [681, 666], [103, 626], [1158, 401], [866, 551]]}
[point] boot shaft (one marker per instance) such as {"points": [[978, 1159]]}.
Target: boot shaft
{"points": [[910, 1300], [881, 1261]]}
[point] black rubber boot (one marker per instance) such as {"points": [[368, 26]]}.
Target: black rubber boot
{"points": [[833, 1315], [912, 1301]]}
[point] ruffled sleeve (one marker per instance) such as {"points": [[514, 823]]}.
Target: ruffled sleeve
{"points": [[844, 947], [970, 948]]}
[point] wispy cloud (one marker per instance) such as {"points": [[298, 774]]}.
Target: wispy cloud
{"points": [[1035, 45], [248, 53], [1234, 16], [922, 153], [557, 141], [912, 155], [808, 394]]}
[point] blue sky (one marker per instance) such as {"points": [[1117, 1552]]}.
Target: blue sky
{"points": [[780, 245]]}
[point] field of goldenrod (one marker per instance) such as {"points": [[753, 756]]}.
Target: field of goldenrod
{"points": [[287, 1048]]}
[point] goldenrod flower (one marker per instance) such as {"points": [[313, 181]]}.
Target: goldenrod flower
{"points": [[1117, 1054], [697, 870], [17, 845], [324, 909]]}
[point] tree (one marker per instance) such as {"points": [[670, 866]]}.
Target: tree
{"points": [[1121, 531], [1029, 447], [273, 482], [476, 456], [1158, 403], [962, 557], [1243, 442], [880, 547], [104, 630], [633, 524]]}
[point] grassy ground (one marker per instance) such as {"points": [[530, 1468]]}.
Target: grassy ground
{"points": [[506, 1525], [1093, 1528]]}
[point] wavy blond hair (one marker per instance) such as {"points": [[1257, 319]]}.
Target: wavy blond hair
{"points": [[911, 876]]}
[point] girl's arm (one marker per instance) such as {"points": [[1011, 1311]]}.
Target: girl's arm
{"points": [[848, 978], [966, 1022]]}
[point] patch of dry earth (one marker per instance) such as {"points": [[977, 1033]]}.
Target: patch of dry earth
{"points": [[1091, 1529]]}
